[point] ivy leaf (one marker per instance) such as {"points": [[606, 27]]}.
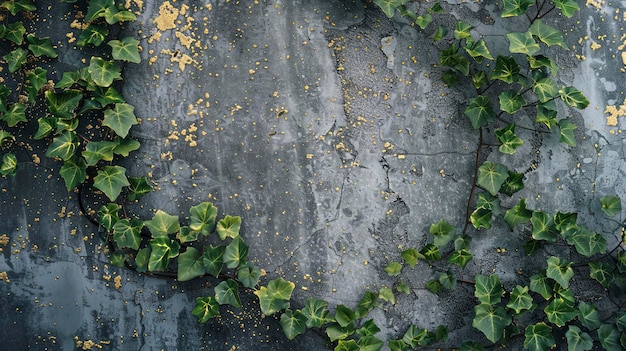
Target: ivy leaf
{"points": [[126, 233], [15, 6], [411, 256], [586, 242], [63, 146], [472, 346], [108, 95], [488, 290], [4, 135], [448, 280], [511, 102], [98, 150], [14, 114], [481, 217], [462, 30], [397, 345], [546, 89], [491, 176], [369, 328], [518, 214], [403, 287], [609, 337], [477, 50], [227, 293], [567, 132], [275, 296], [547, 34], [190, 265], [506, 69], [538, 337], [460, 257], [293, 323], [434, 286], [120, 118], [186, 235], [479, 79], [450, 57], [393, 269], [228, 227], [125, 49], [9, 164], [316, 312], [111, 180], [336, 332], [368, 302], [480, 111], [414, 336], [108, 215], [346, 345], [138, 187], [560, 311], [522, 43], [436, 8], [513, 183], [97, 9], [40, 46], [520, 300], [431, 252], [63, 104], [103, 72], [344, 315], [621, 261], [573, 97], [162, 224], [441, 32], [424, 20], [212, 258], [112, 15], [563, 220], [16, 59], [37, 78], [15, 32], [491, 321], [389, 6], [443, 232], [546, 113], [543, 227], [560, 272], [202, 218], [94, 34], [386, 294], [601, 272], [567, 7], [588, 316], [236, 253], [125, 146], [162, 250], [611, 205], [249, 275], [514, 8], [509, 141], [577, 340], [142, 259], [205, 309]]}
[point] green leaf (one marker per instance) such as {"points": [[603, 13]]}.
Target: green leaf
{"points": [[513, 183], [344, 315], [522, 43], [491, 176], [611, 205], [94, 34], [117, 258], [228, 227], [448, 280], [125, 49], [543, 227], [481, 218], [63, 104], [479, 79], [97, 8], [120, 118], [462, 30], [563, 220], [316, 312], [573, 97], [126, 233], [547, 34], [414, 336], [577, 340], [460, 257], [162, 249], [560, 272], [293, 323], [531, 246], [275, 296], [480, 111], [108, 215], [368, 302], [125, 146], [566, 130], [509, 141], [346, 345], [511, 102], [518, 214], [546, 89], [609, 337], [9, 164], [16, 59], [477, 50], [5, 136], [491, 321], [601, 271], [212, 258], [393, 269], [190, 265], [443, 232], [424, 20], [104, 72], [621, 261], [567, 7], [63, 146], [386, 294], [15, 32], [138, 187], [441, 32], [389, 6], [108, 95], [403, 287], [14, 114], [336, 332], [98, 150], [450, 57], [434, 286], [142, 259], [369, 328], [162, 224], [186, 235], [586, 242], [40, 46], [249, 275], [506, 69], [436, 8], [205, 309], [450, 77], [37, 78], [560, 311], [538, 337], [411, 256], [112, 15], [431, 252], [397, 345], [111, 180], [15, 6], [488, 290], [202, 218], [227, 293], [520, 300], [236, 253], [472, 346], [588, 316], [546, 113], [514, 8]]}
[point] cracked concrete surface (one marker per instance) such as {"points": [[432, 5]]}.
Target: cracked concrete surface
{"points": [[290, 115]]}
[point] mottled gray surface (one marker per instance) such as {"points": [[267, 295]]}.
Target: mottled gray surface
{"points": [[336, 156]]}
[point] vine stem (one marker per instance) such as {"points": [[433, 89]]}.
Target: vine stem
{"points": [[471, 194]]}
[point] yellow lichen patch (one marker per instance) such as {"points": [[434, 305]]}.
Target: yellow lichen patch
{"points": [[118, 282], [595, 3], [614, 112], [182, 59], [4, 240], [185, 40], [89, 344], [595, 46], [167, 16], [4, 277]]}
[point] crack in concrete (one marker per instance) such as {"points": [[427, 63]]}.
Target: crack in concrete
{"points": [[141, 332]]}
